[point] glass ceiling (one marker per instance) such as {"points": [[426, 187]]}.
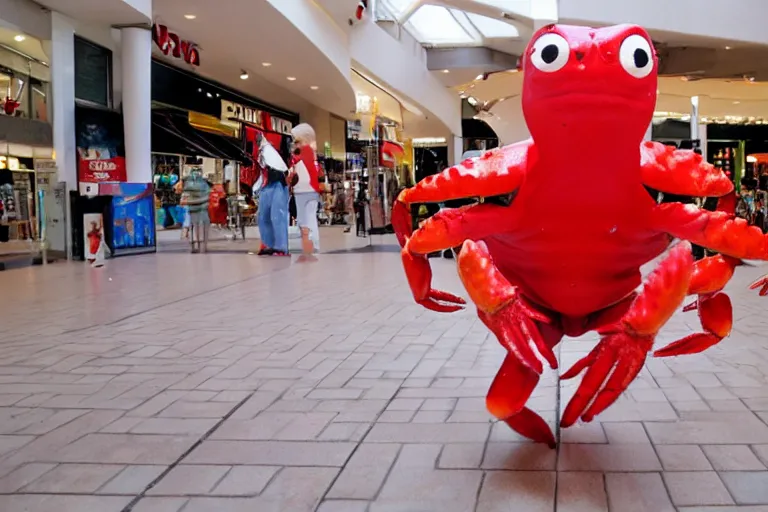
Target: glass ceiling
{"points": [[442, 26]]}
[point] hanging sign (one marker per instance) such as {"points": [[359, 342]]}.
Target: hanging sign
{"points": [[171, 44]]}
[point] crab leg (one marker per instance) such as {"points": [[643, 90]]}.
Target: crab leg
{"points": [[498, 172], [681, 172], [447, 229], [619, 356], [710, 276], [519, 327], [719, 231]]}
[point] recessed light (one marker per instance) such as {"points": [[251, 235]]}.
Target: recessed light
{"points": [[446, 71], [266, 64], [209, 95], [736, 102], [728, 47], [244, 75], [291, 78], [19, 38], [314, 87], [190, 16], [479, 77]]}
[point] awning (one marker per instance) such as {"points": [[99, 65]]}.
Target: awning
{"points": [[172, 134]]}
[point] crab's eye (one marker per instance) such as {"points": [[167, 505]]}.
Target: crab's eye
{"points": [[550, 53], [636, 56]]}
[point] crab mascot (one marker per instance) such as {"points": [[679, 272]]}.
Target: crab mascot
{"points": [[305, 180], [273, 200], [543, 262]]}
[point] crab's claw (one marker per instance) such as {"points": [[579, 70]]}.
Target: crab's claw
{"points": [[417, 269]]}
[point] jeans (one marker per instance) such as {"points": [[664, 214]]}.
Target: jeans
{"points": [[273, 216], [306, 214]]}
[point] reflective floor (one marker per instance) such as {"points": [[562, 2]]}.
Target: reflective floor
{"points": [[228, 382]]}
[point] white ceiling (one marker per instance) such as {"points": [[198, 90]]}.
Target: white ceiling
{"points": [[258, 34], [30, 46], [105, 12]]}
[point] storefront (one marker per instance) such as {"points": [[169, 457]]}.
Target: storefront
{"points": [[199, 124], [26, 138], [377, 165]]}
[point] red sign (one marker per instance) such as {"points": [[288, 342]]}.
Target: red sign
{"points": [[100, 171], [171, 44]]}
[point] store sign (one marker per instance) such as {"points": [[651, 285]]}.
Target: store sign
{"points": [[171, 44], [100, 171], [45, 165], [237, 113]]}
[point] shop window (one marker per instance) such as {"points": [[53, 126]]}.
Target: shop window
{"points": [[93, 73], [13, 93]]}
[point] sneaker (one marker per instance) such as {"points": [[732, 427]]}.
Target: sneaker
{"points": [[279, 253], [265, 251]]}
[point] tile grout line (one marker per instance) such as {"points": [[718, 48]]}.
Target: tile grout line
{"points": [[558, 430], [352, 453], [173, 302], [195, 445], [653, 445]]}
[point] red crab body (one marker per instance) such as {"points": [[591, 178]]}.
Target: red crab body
{"points": [[563, 255]]}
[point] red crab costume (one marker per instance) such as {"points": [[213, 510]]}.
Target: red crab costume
{"points": [[555, 248]]}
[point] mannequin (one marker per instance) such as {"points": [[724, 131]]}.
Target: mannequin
{"points": [[306, 174], [273, 200]]}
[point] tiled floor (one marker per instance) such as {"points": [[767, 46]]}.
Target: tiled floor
{"points": [[226, 382]]}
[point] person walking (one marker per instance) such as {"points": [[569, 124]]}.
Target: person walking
{"points": [[306, 173], [197, 192]]}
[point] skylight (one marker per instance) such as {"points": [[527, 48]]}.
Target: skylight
{"points": [[490, 27], [431, 24], [397, 7]]}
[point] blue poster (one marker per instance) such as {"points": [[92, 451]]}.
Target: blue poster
{"points": [[133, 217]]}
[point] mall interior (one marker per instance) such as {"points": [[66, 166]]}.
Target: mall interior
{"points": [[142, 372]]}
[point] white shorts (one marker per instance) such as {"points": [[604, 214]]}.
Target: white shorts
{"points": [[306, 209]]}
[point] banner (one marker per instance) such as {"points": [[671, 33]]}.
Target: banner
{"points": [[101, 171]]}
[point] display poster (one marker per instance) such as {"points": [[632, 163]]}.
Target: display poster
{"points": [[100, 147], [133, 217], [93, 231]]}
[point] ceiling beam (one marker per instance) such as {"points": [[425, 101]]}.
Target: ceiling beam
{"points": [[481, 58]]}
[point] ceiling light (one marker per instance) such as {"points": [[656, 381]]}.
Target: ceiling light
{"points": [[727, 47], [314, 87], [446, 71], [266, 64], [209, 95], [479, 77], [291, 78], [736, 102], [472, 101], [190, 16], [19, 38], [244, 75]]}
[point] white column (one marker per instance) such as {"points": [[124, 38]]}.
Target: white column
{"points": [[694, 117], [649, 132], [61, 50], [703, 136], [455, 149], [137, 102]]}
